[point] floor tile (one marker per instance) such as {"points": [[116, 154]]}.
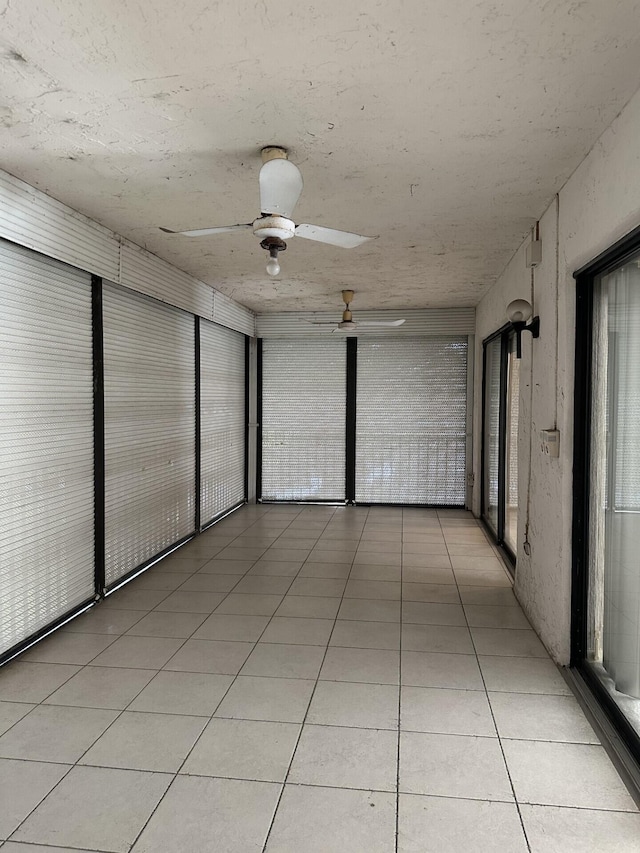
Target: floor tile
{"points": [[492, 596], [81, 811], [495, 616], [138, 652], [274, 568], [344, 558], [338, 571], [215, 656], [32, 682], [423, 575], [388, 590], [129, 598], [437, 593], [506, 642], [225, 567], [319, 607], [564, 830], [447, 825], [430, 561], [281, 700], [11, 712], [473, 563], [332, 815], [530, 716], [387, 547], [269, 585], [67, 647], [372, 666], [200, 814], [366, 635], [363, 610], [155, 578], [346, 758], [436, 638], [376, 559], [444, 711], [290, 629], [522, 675], [439, 669], [191, 602], [278, 660], [231, 553], [102, 687], [565, 774], [175, 625], [341, 703], [183, 693], [104, 620], [53, 733], [223, 626], [24, 784], [490, 578], [139, 741], [432, 613], [201, 582], [367, 572], [431, 764], [246, 604], [244, 749], [325, 587], [425, 548]]}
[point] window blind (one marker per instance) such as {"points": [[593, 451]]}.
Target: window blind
{"points": [[149, 387], [46, 443], [222, 419], [303, 419], [411, 420]]}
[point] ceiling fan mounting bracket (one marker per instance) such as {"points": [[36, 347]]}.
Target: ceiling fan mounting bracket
{"points": [[347, 296], [273, 245], [274, 152]]}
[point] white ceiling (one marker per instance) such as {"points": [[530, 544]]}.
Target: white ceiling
{"points": [[444, 126]]}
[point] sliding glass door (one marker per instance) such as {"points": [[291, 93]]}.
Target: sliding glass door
{"points": [[501, 405], [607, 636]]}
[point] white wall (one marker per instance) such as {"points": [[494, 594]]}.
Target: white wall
{"points": [[598, 205]]}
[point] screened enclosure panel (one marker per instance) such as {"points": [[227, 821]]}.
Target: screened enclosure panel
{"points": [[46, 443], [149, 388], [303, 419], [222, 419], [411, 420]]}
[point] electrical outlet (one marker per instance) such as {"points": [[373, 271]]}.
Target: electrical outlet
{"points": [[550, 442]]}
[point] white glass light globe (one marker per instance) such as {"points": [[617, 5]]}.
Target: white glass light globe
{"points": [[519, 311], [273, 267]]}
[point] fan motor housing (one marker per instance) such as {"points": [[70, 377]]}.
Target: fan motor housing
{"points": [[274, 226]]}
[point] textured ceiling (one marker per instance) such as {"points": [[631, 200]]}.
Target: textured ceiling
{"points": [[443, 126]]}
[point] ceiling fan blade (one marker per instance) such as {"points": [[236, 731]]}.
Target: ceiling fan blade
{"points": [[344, 239], [205, 232], [364, 323], [280, 187]]}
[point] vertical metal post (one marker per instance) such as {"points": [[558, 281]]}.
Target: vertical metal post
{"points": [[98, 434]]}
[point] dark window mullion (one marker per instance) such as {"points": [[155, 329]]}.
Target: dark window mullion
{"points": [[350, 421]]}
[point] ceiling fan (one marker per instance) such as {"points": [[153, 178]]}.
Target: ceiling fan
{"points": [[280, 187], [348, 324]]}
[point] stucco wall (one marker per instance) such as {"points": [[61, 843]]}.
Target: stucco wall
{"points": [[598, 205]]}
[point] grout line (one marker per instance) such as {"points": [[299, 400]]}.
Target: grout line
{"points": [[284, 783], [504, 758]]}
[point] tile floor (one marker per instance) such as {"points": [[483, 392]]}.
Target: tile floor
{"points": [[306, 680]]}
